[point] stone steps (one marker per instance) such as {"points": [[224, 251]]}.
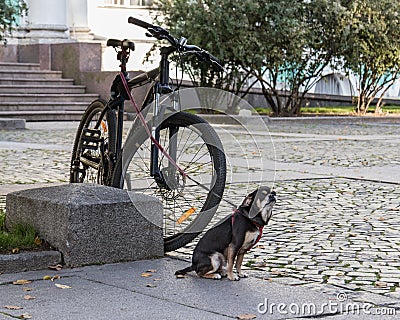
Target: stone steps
{"points": [[37, 81], [41, 89], [10, 98], [19, 66], [33, 94], [63, 115], [43, 106], [30, 74]]}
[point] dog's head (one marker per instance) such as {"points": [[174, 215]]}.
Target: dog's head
{"points": [[259, 203]]}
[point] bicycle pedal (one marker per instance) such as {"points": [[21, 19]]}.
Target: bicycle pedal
{"points": [[90, 139]]}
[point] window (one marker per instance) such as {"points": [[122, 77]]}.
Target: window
{"points": [[335, 84], [128, 3]]}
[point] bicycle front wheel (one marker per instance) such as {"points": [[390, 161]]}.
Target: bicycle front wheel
{"points": [[190, 199], [93, 145]]}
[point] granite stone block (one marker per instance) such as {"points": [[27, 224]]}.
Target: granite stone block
{"points": [[91, 223]]}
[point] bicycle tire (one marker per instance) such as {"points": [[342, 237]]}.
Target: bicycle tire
{"points": [[212, 148], [106, 138]]}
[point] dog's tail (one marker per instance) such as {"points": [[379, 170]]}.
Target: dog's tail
{"points": [[184, 271]]}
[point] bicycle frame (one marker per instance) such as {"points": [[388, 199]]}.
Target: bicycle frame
{"points": [[160, 86]]}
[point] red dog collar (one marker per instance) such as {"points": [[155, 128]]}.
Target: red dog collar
{"points": [[259, 226]]}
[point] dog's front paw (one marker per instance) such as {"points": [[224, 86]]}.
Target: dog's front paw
{"points": [[216, 276], [243, 275], [233, 277]]}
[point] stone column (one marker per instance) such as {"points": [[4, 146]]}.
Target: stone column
{"points": [[78, 20], [47, 21]]}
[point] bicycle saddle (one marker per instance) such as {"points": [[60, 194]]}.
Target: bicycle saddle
{"points": [[125, 44]]}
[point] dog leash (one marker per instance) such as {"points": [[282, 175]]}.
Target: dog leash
{"points": [[163, 151], [157, 144]]}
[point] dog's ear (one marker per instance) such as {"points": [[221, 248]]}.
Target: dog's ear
{"points": [[249, 199], [259, 200]]}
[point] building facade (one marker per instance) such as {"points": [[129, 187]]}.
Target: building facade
{"points": [[54, 21], [93, 21]]}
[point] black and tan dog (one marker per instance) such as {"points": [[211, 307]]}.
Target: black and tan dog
{"points": [[232, 237]]}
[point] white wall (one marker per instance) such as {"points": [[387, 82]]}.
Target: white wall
{"points": [[112, 22]]}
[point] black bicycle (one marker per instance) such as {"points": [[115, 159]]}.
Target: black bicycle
{"points": [[175, 156]]}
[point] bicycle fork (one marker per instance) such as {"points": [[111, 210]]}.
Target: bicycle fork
{"points": [[166, 177]]}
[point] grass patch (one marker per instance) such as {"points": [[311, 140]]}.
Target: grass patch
{"points": [[329, 110], [22, 237], [336, 110], [348, 110], [249, 264], [391, 109]]}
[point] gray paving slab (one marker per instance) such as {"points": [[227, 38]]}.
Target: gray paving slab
{"points": [[87, 299], [120, 291]]}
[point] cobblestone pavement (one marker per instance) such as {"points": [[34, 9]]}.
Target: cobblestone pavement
{"points": [[328, 228]]}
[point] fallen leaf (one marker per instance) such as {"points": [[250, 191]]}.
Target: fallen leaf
{"points": [[57, 267], [25, 316], [56, 277], [180, 276], [15, 250], [38, 241], [21, 282], [380, 284], [246, 316], [28, 297], [352, 234], [13, 307], [47, 278], [269, 279], [62, 286], [276, 272], [145, 274], [381, 219], [26, 289]]}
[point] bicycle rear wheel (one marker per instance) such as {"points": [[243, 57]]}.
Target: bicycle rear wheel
{"points": [[94, 142], [189, 201]]}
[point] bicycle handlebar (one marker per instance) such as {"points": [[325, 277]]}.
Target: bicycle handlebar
{"points": [[140, 23], [161, 34]]}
